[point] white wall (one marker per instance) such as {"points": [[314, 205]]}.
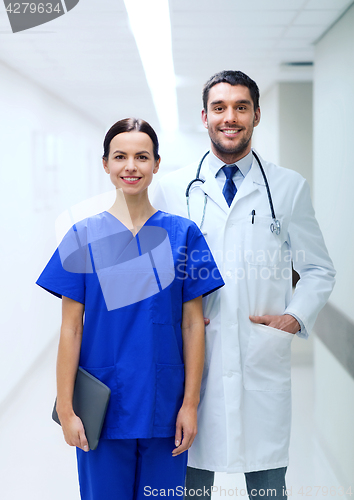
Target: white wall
{"points": [[284, 135], [334, 152], [266, 135], [295, 135], [334, 412], [179, 150], [333, 193], [50, 160]]}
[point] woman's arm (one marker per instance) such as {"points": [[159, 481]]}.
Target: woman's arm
{"points": [[67, 364], [193, 353]]}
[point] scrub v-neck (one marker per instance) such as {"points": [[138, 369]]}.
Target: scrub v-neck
{"points": [[127, 228]]}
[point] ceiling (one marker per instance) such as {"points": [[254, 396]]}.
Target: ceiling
{"points": [[89, 58]]}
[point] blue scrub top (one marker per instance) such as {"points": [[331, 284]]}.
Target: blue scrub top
{"points": [[133, 289]]}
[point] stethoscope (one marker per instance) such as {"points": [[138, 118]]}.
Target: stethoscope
{"points": [[274, 226]]}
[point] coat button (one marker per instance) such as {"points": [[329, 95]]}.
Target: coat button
{"points": [[228, 274], [229, 373]]}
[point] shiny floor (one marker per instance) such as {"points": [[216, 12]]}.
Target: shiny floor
{"points": [[36, 464]]}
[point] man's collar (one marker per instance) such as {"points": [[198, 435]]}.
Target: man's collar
{"points": [[244, 164]]}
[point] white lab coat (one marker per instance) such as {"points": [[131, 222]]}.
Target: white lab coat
{"points": [[245, 409]]}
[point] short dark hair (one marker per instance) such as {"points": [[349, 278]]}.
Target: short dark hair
{"points": [[233, 78], [130, 125]]}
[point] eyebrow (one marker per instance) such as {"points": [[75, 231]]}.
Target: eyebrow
{"points": [[242, 101], [140, 152], [124, 153]]}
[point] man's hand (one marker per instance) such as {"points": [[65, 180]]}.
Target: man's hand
{"points": [[284, 322]]}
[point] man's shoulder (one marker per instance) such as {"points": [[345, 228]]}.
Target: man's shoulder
{"points": [[286, 172], [179, 175], [278, 171], [273, 168]]}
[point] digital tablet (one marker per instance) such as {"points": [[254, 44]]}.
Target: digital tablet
{"points": [[90, 401]]}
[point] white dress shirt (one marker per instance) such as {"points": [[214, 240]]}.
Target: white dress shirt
{"points": [[244, 165]]}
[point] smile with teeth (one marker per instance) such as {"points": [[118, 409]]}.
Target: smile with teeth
{"points": [[230, 131], [131, 180]]}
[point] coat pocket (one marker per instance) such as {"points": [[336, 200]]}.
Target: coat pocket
{"points": [[108, 375], [262, 247], [169, 393], [267, 365]]}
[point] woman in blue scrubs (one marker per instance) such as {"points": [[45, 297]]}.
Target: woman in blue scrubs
{"points": [[131, 281]]}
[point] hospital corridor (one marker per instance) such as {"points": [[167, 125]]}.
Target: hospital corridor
{"points": [[65, 78]]}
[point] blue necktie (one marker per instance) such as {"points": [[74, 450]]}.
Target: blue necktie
{"points": [[229, 189]]}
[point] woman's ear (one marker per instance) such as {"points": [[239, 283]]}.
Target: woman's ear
{"points": [[105, 165], [157, 166]]}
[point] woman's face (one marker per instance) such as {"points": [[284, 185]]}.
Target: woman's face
{"points": [[131, 163]]}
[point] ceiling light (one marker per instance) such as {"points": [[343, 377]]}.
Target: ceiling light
{"points": [[150, 23]]}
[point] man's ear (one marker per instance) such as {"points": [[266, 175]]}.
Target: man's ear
{"points": [[157, 166], [105, 165], [257, 117], [204, 118]]}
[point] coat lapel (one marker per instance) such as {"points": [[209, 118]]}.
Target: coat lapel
{"points": [[252, 182], [212, 189]]}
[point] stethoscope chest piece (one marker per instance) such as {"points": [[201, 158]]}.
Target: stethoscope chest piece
{"points": [[275, 226]]}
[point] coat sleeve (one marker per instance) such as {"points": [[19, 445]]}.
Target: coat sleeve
{"points": [[310, 260]]}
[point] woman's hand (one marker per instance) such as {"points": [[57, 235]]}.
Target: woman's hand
{"points": [[67, 363], [186, 429], [193, 354], [74, 432]]}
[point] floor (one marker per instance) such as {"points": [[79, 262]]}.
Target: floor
{"points": [[36, 464]]}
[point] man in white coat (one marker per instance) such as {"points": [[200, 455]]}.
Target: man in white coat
{"points": [[245, 404]]}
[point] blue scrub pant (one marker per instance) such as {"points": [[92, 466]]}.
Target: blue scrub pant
{"points": [[131, 469]]}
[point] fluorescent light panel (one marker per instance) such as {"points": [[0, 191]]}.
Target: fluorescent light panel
{"points": [[151, 26]]}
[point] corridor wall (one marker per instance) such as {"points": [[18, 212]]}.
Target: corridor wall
{"points": [[333, 195], [284, 135], [50, 160]]}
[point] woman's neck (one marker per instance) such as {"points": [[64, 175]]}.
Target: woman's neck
{"points": [[132, 211]]}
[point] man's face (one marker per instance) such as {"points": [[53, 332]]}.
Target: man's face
{"points": [[230, 120]]}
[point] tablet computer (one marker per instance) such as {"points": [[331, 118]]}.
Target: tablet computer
{"points": [[90, 401]]}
